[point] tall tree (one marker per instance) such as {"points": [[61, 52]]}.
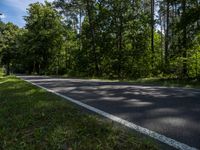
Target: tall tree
{"points": [[167, 35], [152, 30], [8, 42], [44, 35], [90, 14]]}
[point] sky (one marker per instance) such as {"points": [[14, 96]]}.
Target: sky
{"points": [[14, 10]]}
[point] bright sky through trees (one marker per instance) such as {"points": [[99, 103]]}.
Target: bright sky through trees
{"points": [[14, 10]]}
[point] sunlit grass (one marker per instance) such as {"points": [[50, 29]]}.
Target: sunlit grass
{"points": [[167, 82], [154, 81], [31, 118]]}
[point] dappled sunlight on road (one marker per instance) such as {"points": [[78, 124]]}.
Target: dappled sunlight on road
{"points": [[174, 112]]}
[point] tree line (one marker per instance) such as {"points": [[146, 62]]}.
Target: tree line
{"points": [[106, 38]]}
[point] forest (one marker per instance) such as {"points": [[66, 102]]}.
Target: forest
{"points": [[114, 39]]}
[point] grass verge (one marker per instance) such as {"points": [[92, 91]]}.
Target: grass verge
{"points": [[156, 81], [190, 83], [31, 118], [152, 81]]}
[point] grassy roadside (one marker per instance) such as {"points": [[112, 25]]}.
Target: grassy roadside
{"points": [[31, 118], [154, 81], [166, 82]]}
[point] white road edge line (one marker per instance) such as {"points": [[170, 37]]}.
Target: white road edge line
{"points": [[153, 134]]}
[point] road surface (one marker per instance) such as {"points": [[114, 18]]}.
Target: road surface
{"points": [[173, 112]]}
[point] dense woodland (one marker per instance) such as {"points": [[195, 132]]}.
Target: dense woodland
{"points": [[123, 39]]}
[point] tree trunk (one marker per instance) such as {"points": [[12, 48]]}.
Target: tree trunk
{"points": [[8, 69], [167, 37], [161, 37], [80, 30], [92, 30], [152, 32], [120, 46], [184, 71]]}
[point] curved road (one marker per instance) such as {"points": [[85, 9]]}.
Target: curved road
{"points": [[173, 112]]}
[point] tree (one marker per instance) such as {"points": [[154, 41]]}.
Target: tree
{"points": [[109, 38], [152, 30], [8, 42], [44, 35], [167, 35]]}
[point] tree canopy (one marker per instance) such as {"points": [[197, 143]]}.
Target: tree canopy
{"points": [[106, 38]]}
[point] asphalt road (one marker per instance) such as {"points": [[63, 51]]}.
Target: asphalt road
{"points": [[173, 112]]}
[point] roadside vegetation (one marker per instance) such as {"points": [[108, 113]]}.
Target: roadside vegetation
{"points": [[112, 39], [189, 83], [152, 81], [32, 118], [153, 42]]}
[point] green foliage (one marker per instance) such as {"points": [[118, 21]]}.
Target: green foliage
{"points": [[105, 38], [44, 37], [9, 33]]}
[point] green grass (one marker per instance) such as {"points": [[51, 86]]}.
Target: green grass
{"points": [[167, 82], [157, 81], [31, 118]]}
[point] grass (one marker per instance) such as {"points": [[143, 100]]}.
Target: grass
{"points": [[154, 81], [190, 83], [31, 118]]}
